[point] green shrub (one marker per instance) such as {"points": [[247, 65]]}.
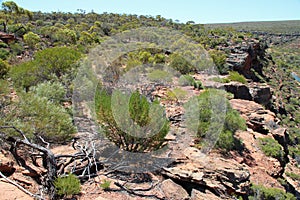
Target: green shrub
{"points": [[134, 138], [48, 64], [3, 45], [4, 68], [176, 94], [294, 176], [235, 76], [220, 80], [105, 185], [159, 75], [31, 39], [212, 104], [219, 58], [263, 193], [186, 80], [180, 64], [53, 92], [4, 54], [271, 148], [67, 185], [36, 116]]}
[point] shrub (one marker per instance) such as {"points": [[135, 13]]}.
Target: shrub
{"points": [[186, 80], [219, 58], [220, 80], [176, 94], [105, 185], [48, 64], [180, 64], [263, 193], [53, 92], [36, 116], [208, 114], [67, 185], [4, 54], [4, 68], [294, 176], [31, 39], [159, 75], [235, 76], [271, 147], [121, 127]]}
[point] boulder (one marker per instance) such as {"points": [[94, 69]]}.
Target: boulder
{"points": [[222, 176]]}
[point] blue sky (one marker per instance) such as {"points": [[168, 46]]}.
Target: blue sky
{"points": [[200, 11]]}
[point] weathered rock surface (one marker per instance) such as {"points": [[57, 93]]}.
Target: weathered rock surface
{"points": [[173, 191], [257, 118], [294, 183], [219, 175]]}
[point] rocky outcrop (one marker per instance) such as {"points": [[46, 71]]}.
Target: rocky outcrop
{"points": [[173, 190], [257, 117], [220, 176], [246, 56]]}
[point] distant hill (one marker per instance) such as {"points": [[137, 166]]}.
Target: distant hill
{"points": [[287, 27]]}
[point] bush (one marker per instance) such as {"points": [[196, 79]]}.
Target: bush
{"points": [[121, 127], [263, 193], [219, 58], [68, 185], [31, 39], [105, 185], [4, 54], [180, 64], [53, 92], [36, 116], [271, 147], [235, 76], [4, 68], [176, 94], [186, 80], [48, 64], [212, 104], [159, 75], [220, 80]]}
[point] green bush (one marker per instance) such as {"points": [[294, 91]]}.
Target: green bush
{"points": [[263, 193], [53, 92], [220, 80], [105, 185], [271, 148], [235, 76], [139, 114], [219, 58], [294, 176], [4, 68], [159, 75], [49, 64], [67, 185], [176, 94], [208, 114], [186, 80], [4, 54], [180, 64], [36, 116]]}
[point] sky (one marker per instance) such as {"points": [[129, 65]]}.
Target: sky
{"points": [[199, 11]]}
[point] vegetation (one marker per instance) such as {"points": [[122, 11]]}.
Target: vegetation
{"points": [[235, 76], [67, 185], [271, 148], [209, 119], [139, 130], [105, 185], [263, 193]]}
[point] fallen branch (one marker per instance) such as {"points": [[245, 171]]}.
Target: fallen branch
{"points": [[20, 187]]}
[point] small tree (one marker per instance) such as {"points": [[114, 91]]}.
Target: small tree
{"points": [[4, 68]]}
